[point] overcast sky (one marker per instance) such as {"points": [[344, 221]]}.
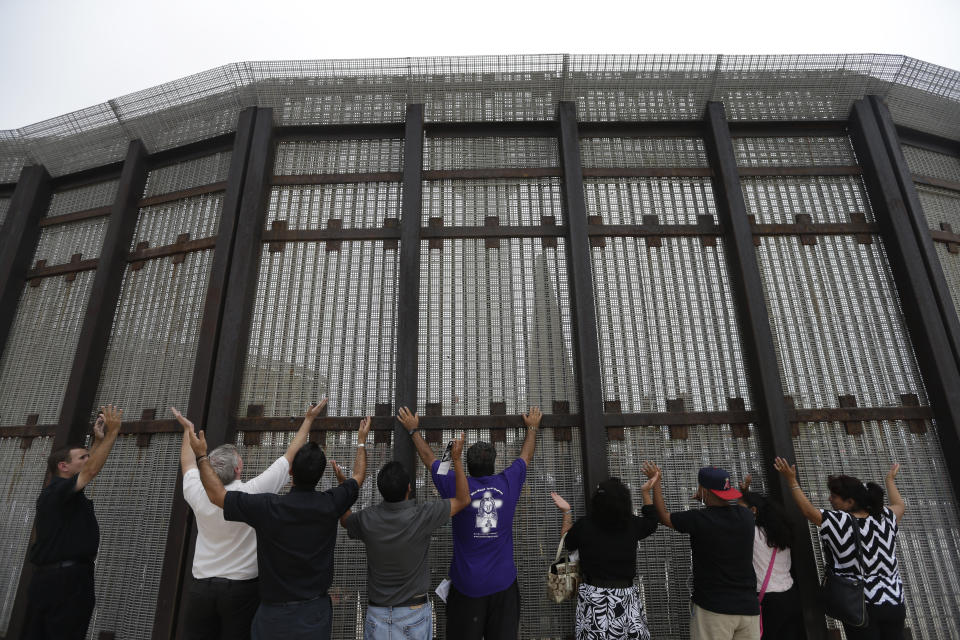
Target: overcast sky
{"points": [[62, 55]]}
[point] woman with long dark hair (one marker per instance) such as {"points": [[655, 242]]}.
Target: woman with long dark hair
{"points": [[781, 615], [860, 505], [608, 601]]}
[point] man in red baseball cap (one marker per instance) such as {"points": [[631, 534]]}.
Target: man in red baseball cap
{"points": [[725, 605]]}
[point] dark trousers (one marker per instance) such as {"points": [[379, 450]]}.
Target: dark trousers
{"points": [[60, 603], [885, 623], [782, 615], [494, 617], [308, 620], [218, 608]]}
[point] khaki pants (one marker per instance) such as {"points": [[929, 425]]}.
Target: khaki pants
{"points": [[707, 625]]}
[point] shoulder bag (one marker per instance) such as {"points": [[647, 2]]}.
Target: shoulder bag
{"points": [[842, 596], [563, 576]]}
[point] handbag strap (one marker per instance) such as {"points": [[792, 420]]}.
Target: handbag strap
{"points": [[766, 580], [560, 548], [856, 544]]}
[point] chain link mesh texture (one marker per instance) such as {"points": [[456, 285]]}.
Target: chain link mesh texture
{"points": [[640, 153], [357, 206], [826, 199], [306, 157], [36, 362], [667, 326], [794, 152], [940, 206], [928, 540], [162, 224], [931, 164], [24, 470], [324, 324], [515, 202], [189, 174], [132, 495], [495, 327], [663, 559], [627, 200], [493, 152], [94, 196], [59, 243]]}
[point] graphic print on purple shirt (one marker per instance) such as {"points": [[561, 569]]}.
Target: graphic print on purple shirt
{"points": [[482, 561]]}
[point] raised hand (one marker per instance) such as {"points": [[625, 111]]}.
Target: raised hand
{"points": [[98, 428], [652, 471], [894, 470], [338, 472], [112, 418], [787, 470], [316, 409], [457, 451], [532, 417], [410, 421], [562, 504], [186, 424], [198, 442], [364, 430], [745, 484], [651, 480]]}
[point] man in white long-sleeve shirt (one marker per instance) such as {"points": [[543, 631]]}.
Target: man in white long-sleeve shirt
{"points": [[224, 594]]}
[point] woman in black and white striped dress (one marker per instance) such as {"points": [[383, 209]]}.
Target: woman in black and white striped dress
{"points": [[856, 503]]}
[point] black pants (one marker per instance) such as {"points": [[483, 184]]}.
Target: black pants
{"points": [[60, 603], [885, 623], [494, 617], [782, 615], [220, 609]]}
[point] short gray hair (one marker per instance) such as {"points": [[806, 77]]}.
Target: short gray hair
{"points": [[224, 459]]}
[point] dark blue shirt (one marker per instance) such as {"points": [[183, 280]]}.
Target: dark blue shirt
{"points": [[67, 527]]}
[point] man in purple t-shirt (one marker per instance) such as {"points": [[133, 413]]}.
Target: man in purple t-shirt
{"points": [[484, 600]]}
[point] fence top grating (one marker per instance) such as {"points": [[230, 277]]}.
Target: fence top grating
{"points": [[487, 88]]}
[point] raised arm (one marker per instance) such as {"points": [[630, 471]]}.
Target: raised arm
{"points": [[897, 505], [112, 418], [462, 497], [338, 472], [208, 477], [98, 433], [303, 433], [649, 486], [789, 472], [187, 459], [532, 420], [411, 422], [566, 521], [655, 474], [360, 460]]}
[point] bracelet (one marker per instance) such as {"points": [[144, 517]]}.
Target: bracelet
{"points": [[361, 445], [796, 486], [202, 458], [567, 512], [415, 429]]}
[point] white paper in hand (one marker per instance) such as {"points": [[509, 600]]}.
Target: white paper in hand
{"points": [[446, 460], [443, 589]]}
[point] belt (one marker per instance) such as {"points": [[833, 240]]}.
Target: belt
{"points": [[609, 584], [293, 603], [412, 602], [61, 565], [225, 580]]}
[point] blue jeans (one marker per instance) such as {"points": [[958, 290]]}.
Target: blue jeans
{"points": [[306, 620], [399, 623]]}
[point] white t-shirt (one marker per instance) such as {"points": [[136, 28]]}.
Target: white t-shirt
{"points": [[780, 578], [228, 549]]}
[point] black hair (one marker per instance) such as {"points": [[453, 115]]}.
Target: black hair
{"points": [[480, 459], [868, 497], [61, 455], [393, 481], [611, 505], [308, 465], [771, 518]]}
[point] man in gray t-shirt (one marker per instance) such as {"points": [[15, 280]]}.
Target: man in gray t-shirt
{"points": [[397, 534]]}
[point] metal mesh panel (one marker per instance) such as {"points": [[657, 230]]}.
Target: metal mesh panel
{"points": [[642, 152], [161, 224], [304, 157], [627, 200], [363, 205], [515, 202], [928, 541], [667, 326], [324, 324], [837, 323], [950, 262], [94, 196], [60, 242], [556, 466], [489, 153], [156, 329], [824, 198], [663, 559], [186, 175], [4, 207], [36, 361], [926, 97], [940, 206], [932, 164], [495, 327], [133, 495], [25, 470], [794, 152]]}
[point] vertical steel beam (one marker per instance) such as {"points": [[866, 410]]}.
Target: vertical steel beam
{"points": [[923, 316], [773, 428], [94, 336], [18, 241], [174, 569], [919, 224], [408, 295], [241, 287], [580, 269]]}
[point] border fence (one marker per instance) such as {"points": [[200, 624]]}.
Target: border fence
{"points": [[688, 259]]}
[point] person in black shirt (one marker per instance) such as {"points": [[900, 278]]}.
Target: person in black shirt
{"points": [[725, 605], [61, 597], [608, 602], [296, 534]]}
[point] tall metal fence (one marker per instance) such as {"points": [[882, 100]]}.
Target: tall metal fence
{"points": [[667, 277]]}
